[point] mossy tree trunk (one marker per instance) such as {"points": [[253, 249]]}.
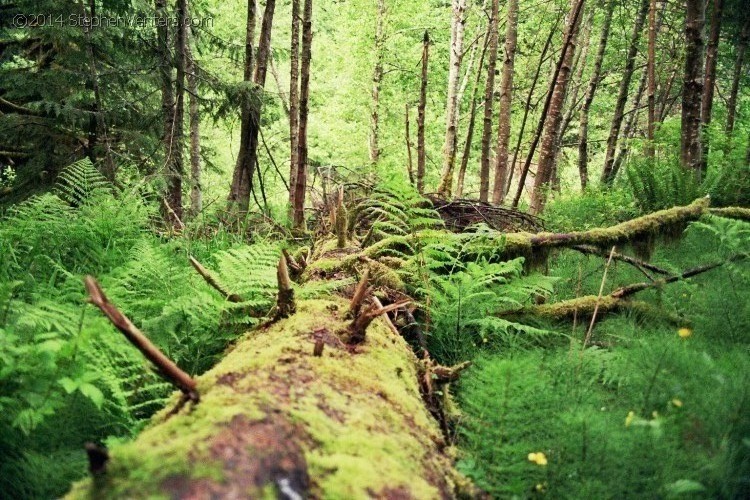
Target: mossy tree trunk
{"points": [[296, 409]]}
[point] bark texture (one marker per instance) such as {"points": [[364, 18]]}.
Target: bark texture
{"points": [[553, 116], [505, 105], [596, 76], [622, 95], [458, 22], [737, 76], [691, 147], [489, 98], [300, 186], [294, 105], [377, 78]]}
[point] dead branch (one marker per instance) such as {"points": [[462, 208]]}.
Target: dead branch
{"points": [[359, 294], [637, 263], [358, 327], [385, 317], [214, 282], [285, 305], [166, 366]]}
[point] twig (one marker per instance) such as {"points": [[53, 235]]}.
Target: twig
{"points": [[211, 280], [358, 327], [638, 264], [598, 299], [385, 317], [166, 366]]}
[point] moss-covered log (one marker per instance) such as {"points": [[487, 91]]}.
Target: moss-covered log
{"points": [[276, 421]]}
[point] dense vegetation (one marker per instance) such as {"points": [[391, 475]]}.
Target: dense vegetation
{"points": [[136, 135]]}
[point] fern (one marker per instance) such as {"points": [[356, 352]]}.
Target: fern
{"points": [[81, 181]]}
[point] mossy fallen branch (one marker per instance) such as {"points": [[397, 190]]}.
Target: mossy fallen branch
{"points": [[613, 302]]}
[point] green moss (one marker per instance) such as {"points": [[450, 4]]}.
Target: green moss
{"points": [[362, 425]]}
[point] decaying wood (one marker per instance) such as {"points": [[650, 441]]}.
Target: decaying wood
{"points": [[214, 282], [359, 294], [98, 458], [358, 327], [285, 305], [166, 366]]}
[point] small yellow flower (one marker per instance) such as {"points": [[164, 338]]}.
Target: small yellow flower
{"points": [[677, 403], [655, 414], [538, 458], [684, 332], [541, 487], [629, 419]]}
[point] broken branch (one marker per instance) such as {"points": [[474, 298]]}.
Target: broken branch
{"points": [[213, 282], [166, 366]]}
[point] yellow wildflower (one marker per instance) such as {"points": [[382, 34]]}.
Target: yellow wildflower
{"points": [[538, 458], [684, 332], [677, 403], [541, 487], [629, 419]]}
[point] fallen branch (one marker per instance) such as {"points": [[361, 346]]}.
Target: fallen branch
{"points": [[638, 264], [613, 302], [738, 213], [166, 366], [213, 282]]}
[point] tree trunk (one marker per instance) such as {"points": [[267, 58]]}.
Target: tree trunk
{"points": [[407, 135], [651, 75], [472, 119], [691, 147], [421, 152], [583, 133], [304, 104], [294, 106], [737, 76], [526, 108], [622, 96], [196, 193], [630, 127], [506, 105], [377, 77], [489, 99], [297, 409], [712, 50], [458, 21], [239, 193], [553, 116]]}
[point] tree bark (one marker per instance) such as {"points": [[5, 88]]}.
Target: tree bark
{"points": [[294, 106], [304, 104], [691, 147], [377, 77], [458, 21], [630, 127], [421, 152], [622, 96], [526, 108], [239, 192], [596, 76], [553, 116], [737, 76], [472, 119], [573, 18], [196, 191], [651, 75], [505, 107], [712, 51], [489, 99], [407, 136]]}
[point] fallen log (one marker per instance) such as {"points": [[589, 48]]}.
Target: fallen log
{"points": [[282, 417]]}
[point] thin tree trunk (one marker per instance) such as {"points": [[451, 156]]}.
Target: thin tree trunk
{"points": [[238, 198], [553, 115], [691, 148], [294, 106], [472, 119], [489, 98], [409, 163], [196, 193], [737, 76], [630, 128], [304, 103], [458, 21], [421, 152], [526, 109], [712, 50], [377, 77], [167, 102], [174, 184], [663, 104], [622, 96], [283, 96], [583, 133], [651, 75], [506, 104], [573, 18]]}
